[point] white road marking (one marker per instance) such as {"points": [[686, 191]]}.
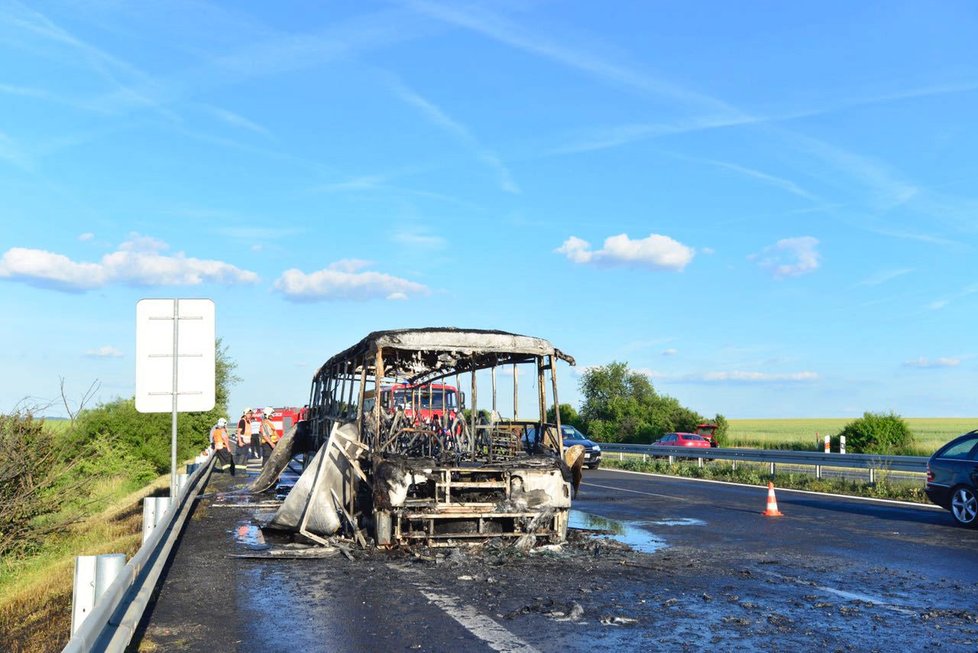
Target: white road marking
{"points": [[907, 504], [486, 629], [648, 494]]}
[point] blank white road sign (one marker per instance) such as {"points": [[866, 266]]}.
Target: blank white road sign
{"points": [[195, 339]]}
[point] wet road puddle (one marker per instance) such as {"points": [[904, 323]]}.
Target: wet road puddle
{"points": [[631, 533], [249, 536]]}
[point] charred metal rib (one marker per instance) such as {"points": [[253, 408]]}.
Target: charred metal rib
{"points": [[400, 456]]}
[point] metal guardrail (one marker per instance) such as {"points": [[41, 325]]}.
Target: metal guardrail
{"points": [[113, 622], [815, 458]]}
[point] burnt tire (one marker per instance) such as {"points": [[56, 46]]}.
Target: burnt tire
{"points": [[964, 506]]}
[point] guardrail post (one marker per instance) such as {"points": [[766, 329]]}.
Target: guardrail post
{"points": [[818, 471], [154, 508], [699, 463], [828, 445], [621, 456], [93, 575], [842, 444], [645, 458], [872, 475], [772, 468], [672, 460]]}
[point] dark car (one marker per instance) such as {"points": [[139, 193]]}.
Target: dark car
{"points": [[952, 478], [571, 436], [592, 452]]}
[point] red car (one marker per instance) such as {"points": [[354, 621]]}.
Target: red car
{"points": [[682, 440]]}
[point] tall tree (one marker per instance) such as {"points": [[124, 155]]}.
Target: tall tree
{"points": [[621, 405]]}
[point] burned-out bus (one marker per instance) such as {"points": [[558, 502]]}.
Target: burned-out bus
{"points": [[383, 474]]}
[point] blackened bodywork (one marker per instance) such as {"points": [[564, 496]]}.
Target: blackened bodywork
{"points": [[393, 475]]}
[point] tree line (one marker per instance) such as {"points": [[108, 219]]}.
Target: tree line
{"points": [[621, 405]]}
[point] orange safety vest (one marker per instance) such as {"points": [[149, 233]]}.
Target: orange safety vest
{"points": [[220, 437], [269, 430]]}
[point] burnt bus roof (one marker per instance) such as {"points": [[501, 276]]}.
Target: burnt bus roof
{"points": [[443, 349]]}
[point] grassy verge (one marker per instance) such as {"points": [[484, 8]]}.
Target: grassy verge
{"points": [[757, 475], [929, 432], [35, 591]]}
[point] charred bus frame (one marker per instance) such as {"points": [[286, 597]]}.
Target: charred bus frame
{"points": [[438, 480]]}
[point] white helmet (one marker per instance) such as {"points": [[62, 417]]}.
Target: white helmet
{"points": [[222, 422], [268, 412]]}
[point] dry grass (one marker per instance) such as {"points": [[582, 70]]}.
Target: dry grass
{"points": [[35, 592]]}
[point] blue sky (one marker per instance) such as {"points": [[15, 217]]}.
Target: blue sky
{"points": [[769, 207]]}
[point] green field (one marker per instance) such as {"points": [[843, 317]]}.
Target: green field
{"points": [[929, 432]]}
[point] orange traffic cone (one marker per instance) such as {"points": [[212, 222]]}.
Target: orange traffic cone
{"points": [[772, 503]]}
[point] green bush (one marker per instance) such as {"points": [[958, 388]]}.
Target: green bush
{"points": [[720, 434], [141, 441], [620, 405], [884, 434]]}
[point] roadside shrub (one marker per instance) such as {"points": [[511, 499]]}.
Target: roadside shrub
{"points": [[720, 435], [36, 473], [884, 434]]}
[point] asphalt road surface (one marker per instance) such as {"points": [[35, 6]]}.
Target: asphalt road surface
{"points": [[703, 569]]}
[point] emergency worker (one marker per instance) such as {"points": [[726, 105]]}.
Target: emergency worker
{"points": [[243, 436], [222, 446], [268, 435], [254, 423]]}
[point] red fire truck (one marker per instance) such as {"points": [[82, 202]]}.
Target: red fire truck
{"points": [[420, 402], [283, 418]]}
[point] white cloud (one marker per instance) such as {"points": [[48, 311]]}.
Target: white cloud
{"points": [[739, 376], [569, 52], [671, 351], [106, 351], [926, 363], [779, 182], [884, 276], [345, 280], [790, 257], [443, 121], [140, 261], [85, 237], [419, 240], [235, 120], [576, 249], [655, 251]]}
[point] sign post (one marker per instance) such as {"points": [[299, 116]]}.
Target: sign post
{"points": [[175, 361]]}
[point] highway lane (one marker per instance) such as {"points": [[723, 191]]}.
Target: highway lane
{"points": [[832, 573], [848, 530]]}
